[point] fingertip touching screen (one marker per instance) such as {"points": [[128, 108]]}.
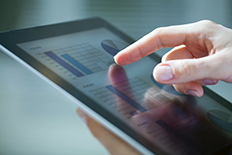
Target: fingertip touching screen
{"points": [[156, 115]]}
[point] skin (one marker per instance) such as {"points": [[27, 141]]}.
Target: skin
{"points": [[111, 142], [201, 55]]}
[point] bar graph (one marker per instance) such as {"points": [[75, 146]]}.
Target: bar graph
{"points": [[128, 96], [76, 63], [64, 64], [80, 60]]}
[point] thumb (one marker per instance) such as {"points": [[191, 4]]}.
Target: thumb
{"points": [[186, 70]]}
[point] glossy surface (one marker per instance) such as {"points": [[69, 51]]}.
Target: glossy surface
{"points": [[34, 117]]}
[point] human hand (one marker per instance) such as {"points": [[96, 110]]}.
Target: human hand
{"points": [[112, 143], [202, 55]]}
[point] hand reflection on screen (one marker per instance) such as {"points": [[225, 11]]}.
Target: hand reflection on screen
{"points": [[170, 123]]}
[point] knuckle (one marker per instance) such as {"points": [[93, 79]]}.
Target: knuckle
{"points": [[158, 32], [140, 50], [186, 69], [206, 24]]}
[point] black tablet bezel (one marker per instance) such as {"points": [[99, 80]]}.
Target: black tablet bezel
{"points": [[11, 38]]}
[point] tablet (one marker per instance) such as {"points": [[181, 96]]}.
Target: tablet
{"points": [[77, 58]]}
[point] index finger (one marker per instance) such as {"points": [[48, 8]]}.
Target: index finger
{"points": [[159, 38]]}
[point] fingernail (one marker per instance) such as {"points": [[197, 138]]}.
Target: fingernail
{"points": [[208, 82], [82, 115], [192, 92], [164, 73], [115, 57]]}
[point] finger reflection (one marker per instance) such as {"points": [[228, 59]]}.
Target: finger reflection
{"points": [[172, 123], [124, 95]]}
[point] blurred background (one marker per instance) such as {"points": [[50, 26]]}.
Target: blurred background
{"points": [[37, 119]]}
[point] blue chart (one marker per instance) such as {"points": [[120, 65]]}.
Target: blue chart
{"points": [[64, 64], [128, 97], [76, 64], [112, 47], [80, 60]]}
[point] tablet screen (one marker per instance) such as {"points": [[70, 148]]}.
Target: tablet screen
{"points": [[171, 122]]}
